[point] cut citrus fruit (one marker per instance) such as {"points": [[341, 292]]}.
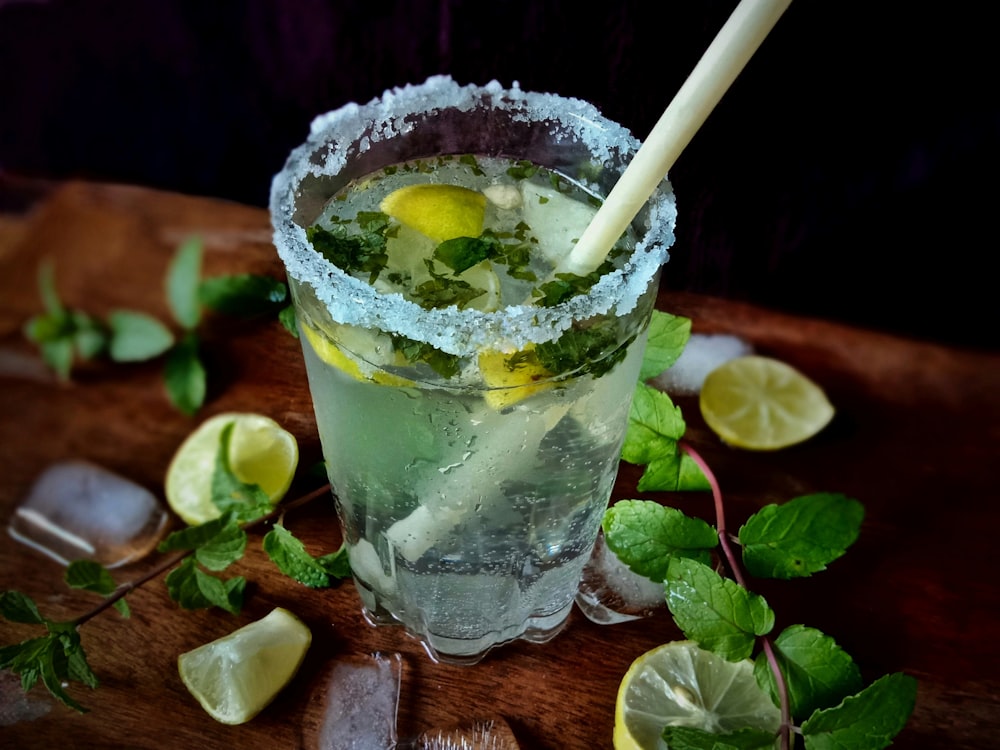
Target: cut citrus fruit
{"points": [[236, 676], [261, 452], [511, 377], [365, 344], [680, 684], [442, 212], [760, 403]]}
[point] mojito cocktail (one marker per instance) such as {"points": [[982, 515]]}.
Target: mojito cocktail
{"points": [[471, 398]]}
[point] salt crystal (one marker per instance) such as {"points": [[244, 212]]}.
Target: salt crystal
{"points": [[610, 592], [702, 354], [76, 510]]}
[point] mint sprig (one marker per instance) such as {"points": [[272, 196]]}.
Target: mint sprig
{"points": [[64, 335], [816, 684]]}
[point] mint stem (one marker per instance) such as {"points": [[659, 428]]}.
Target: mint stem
{"points": [[785, 730]]}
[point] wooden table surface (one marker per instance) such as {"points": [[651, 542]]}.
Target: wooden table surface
{"points": [[914, 439]]}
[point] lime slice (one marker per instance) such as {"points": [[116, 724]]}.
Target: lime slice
{"points": [[236, 676], [762, 404], [442, 212], [681, 685], [261, 452], [511, 377]]}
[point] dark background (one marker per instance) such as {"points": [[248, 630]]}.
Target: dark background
{"points": [[848, 174]]}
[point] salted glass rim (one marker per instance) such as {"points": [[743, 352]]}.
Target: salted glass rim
{"points": [[343, 133]]}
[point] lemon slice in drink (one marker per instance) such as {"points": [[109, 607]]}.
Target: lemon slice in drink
{"points": [[236, 676], [762, 404], [511, 377], [681, 685], [261, 452], [441, 212], [365, 343]]}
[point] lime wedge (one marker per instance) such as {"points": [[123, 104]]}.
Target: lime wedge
{"points": [[441, 212], [762, 404], [236, 676], [374, 348], [261, 452], [681, 685]]}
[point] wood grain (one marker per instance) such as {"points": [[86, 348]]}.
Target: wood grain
{"points": [[914, 440]]}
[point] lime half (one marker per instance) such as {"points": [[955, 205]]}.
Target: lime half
{"points": [[261, 452], [236, 676], [680, 684], [763, 404]]}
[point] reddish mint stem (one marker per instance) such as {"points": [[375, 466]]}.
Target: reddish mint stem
{"points": [[732, 560]]}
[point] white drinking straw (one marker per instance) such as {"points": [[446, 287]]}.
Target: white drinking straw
{"points": [[727, 55]]}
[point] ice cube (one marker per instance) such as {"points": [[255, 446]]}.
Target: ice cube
{"points": [[702, 354], [77, 510], [610, 592], [362, 696]]}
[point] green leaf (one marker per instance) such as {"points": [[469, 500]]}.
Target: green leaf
{"points": [[866, 721], [55, 658], [183, 275], [287, 318], [193, 588], [800, 537], [47, 288], [223, 549], [58, 355], [184, 376], [655, 425], [646, 535], [243, 294], [687, 738], [292, 559], [668, 335], [818, 673], [90, 337], [77, 668], [136, 336], [89, 576], [18, 607], [354, 253], [192, 537], [462, 253], [247, 502], [677, 473], [717, 613]]}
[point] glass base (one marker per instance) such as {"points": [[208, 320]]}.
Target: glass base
{"points": [[468, 651]]}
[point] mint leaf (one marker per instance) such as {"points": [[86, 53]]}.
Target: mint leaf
{"points": [[717, 613], [18, 607], [192, 537], [655, 425], [47, 289], [92, 576], [687, 738], [231, 495], [668, 335], [292, 559], [243, 294], [287, 318], [800, 537], [136, 337], [354, 253], [193, 588], [594, 350], [818, 673], [223, 549], [866, 721], [646, 535], [462, 253], [183, 275], [184, 375], [90, 337]]}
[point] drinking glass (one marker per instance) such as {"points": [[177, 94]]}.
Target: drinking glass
{"points": [[468, 510]]}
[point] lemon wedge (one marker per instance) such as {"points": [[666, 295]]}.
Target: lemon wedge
{"points": [[511, 378], [441, 212]]}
